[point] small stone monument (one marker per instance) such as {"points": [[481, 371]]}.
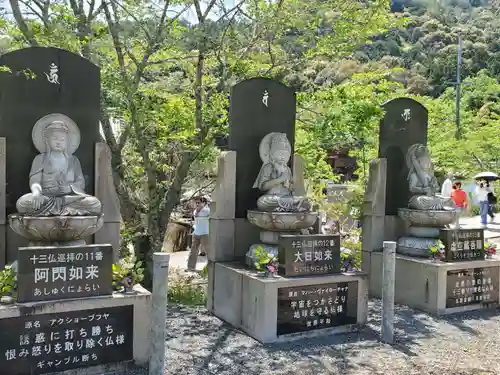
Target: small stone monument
{"points": [[427, 211], [279, 210], [402, 182], [256, 189], [63, 315]]}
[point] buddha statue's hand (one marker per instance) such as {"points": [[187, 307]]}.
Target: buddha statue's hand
{"points": [[37, 199], [64, 189]]}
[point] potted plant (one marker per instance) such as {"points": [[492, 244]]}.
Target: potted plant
{"points": [[436, 251], [348, 260], [350, 252], [490, 249], [265, 262], [127, 273]]}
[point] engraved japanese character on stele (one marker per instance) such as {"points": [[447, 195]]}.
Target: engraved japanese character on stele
{"points": [[41, 275], [120, 339], [75, 273], [91, 272], [96, 330], [89, 343], [58, 273]]}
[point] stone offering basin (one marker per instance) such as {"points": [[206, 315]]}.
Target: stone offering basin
{"points": [[55, 228], [427, 218], [282, 221]]}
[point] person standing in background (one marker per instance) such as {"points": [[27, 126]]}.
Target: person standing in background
{"points": [[447, 186], [200, 234], [482, 197], [460, 200], [492, 200]]}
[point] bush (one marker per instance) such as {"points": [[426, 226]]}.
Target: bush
{"points": [[187, 289], [8, 281], [352, 242], [474, 210]]}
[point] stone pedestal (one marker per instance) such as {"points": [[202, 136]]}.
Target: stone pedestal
{"points": [[423, 230], [27, 314], [274, 224], [431, 287], [251, 302], [55, 230]]}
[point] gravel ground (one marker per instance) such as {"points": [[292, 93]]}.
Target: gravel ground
{"points": [[198, 343]]}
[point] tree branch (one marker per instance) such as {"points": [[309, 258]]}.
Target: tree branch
{"points": [[16, 11]]}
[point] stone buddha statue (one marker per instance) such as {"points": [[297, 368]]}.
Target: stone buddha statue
{"points": [[275, 177], [422, 182], [56, 179]]}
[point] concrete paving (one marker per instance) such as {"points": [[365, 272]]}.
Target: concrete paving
{"points": [[492, 230], [179, 260]]}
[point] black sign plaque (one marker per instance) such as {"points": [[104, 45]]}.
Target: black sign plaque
{"points": [[462, 244], [472, 286], [318, 306], [50, 273], [41, 344], [306, 255]]}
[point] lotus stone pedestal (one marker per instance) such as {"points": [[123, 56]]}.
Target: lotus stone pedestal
{"points": [[274, 224], [423, 230], [55, 230]]}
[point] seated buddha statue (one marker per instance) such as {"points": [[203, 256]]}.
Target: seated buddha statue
{"points": [[275, 177], [56, 179], [422, 182]]}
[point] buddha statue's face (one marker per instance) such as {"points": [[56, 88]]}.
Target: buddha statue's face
{"points": [[425, 162], [280, 156], [57, 140]]}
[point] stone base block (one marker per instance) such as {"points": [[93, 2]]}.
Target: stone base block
{"points": [[415, 246], [210, 286], [250, 302], [141, 302], [431, 287]]}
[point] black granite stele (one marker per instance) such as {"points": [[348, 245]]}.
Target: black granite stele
{"points": [[40, 344], [26, 95], [250, 120], [56, 273], [24, 100], [462, 244], [305, 255], [472, 286], [400, 129], [307, 308]]}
